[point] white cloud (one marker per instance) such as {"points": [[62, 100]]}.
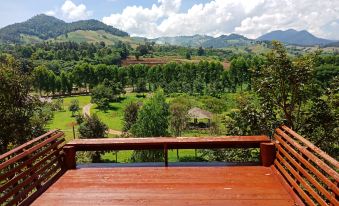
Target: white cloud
{"points": [[250, 18], [50, 13], [72, 11]]}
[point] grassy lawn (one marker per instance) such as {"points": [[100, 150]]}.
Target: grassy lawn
{"points": [[62, 119], [114, 116], [124, 156]]}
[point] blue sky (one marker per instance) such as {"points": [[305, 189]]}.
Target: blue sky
{"points": [[153, 18]]}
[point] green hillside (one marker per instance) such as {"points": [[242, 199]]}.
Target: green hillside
{"points": [[95, 37], [45, 27]]}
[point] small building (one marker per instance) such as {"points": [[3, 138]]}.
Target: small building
{"points": [[197, 113]]}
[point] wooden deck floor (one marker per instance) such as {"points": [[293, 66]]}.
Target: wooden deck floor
{"points": [[237, 185]]}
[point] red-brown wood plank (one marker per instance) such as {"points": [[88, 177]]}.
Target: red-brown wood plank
{"points": [[240, 185], [172, 143]]}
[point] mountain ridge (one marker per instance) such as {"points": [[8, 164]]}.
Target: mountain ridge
{"points": [[291, 36], [42, 27], [45, 27]]}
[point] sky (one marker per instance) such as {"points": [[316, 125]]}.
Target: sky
{"points": [[154, 18]]}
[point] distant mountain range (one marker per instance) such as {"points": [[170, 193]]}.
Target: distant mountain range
{"points": [[292, 36], [43, 27], [206, 41]]}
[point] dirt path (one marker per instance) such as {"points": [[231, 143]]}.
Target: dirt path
{"points": [[116, 132], [86, 110]]}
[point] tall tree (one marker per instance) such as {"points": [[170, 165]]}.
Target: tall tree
{"points": [[152, 122], [17, 106], [178, 118], [282, 83], [130, 115]]}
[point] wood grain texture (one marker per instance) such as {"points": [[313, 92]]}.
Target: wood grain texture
{"points": [[239, 185], [172, 143]]}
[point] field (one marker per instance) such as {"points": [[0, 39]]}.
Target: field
{"points": [[63, 119], [113, 118]]}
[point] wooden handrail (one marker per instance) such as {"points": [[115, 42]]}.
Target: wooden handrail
{"points": [[27, 144], [305, 168], [165, 143], [27, 170]]}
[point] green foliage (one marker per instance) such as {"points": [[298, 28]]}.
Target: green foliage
{"points": [[74, 107], [152, 122], [130, 115], [102, 96], [325, 73], [178, 118], [18, 108], [201, 51], [92, 127], [282, 82], [152, 117]]}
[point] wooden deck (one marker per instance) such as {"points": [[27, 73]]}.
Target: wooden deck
{"points": [[238, 185]]}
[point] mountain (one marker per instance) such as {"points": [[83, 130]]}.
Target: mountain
{"points": [[227, 41], [44, 27], [205, 41], [332, 44], [187, 41], [291, 36]]}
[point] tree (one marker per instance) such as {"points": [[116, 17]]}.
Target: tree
{"points": [[152, 122], [41, 78], [74, 106], [152, 117], [17, 106], [130, 115], [188, 55], [102, 96], [201, 51], [178, 118], [282, 83], [92, 127]]}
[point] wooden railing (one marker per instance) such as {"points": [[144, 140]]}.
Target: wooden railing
{"points": [[28, 170], [165, 143], [310, 172]]}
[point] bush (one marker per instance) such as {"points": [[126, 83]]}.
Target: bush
{"points": [[74, 106]]}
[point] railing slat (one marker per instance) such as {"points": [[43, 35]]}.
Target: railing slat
{"points": [[26, 172], [311, 156], [30, 150], [293, 183], [302, 181], [28, 180], [23, 195], [308, 165], [313, 147], [30, 160], [307, 175], [23, 146]]}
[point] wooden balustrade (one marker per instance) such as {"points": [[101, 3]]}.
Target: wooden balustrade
{"points": [[310, 172], [165, 143], [28, 170]]}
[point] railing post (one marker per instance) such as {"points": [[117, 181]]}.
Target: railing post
{"points": [[69, 159], [267, 154], [166, 155]]}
